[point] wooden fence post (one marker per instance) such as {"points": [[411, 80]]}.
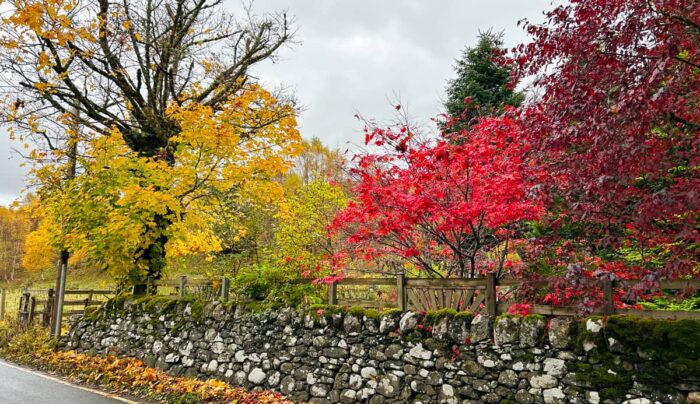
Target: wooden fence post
{"points": [[333, 293], [491, 303], [89, 299], [3, 301], [401, 288], [48, 309], [183, 285], [225, 285], [32, 307], [150, 288], [24, 308], [608, 297]]}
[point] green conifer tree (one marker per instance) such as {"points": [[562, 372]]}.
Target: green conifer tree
{"points": [[482, 80]]}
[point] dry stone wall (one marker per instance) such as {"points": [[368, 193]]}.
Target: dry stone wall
{"points": [[329, 355]]}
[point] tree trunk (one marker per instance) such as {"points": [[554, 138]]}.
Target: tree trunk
{"points": [[153, 256]]}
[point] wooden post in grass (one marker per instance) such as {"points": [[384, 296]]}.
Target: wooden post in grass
{"points": [[32, 308], [333, 293], [401, 291], [48, 309], [88, 301], [3, 301], [491, 305], [225, 284], [60, 295], [608, 297], [183, 285]]}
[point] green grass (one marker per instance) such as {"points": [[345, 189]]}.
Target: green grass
{"points": [[77, 279], [44, 280]]}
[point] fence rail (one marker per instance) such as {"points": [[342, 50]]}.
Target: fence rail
{"points": [[39, 303], [485, 295]]}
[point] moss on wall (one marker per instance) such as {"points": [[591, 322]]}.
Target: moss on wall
{"points": [[660, 352]]}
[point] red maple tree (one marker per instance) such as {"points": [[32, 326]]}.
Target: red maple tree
{"points": [[451, 206], [617, 125]]}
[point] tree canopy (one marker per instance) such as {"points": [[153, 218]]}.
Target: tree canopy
{"points": [[152, 104], [617, 126]]}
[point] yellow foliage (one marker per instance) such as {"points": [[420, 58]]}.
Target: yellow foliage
{"points": [[15, 224], [38, 253], [114, 209], [303, 233]]}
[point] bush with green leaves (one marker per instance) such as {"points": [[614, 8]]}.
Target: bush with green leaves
{"points": [[275, 286]]}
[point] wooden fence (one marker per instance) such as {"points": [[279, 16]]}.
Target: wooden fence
{"points": [[486, 295], [183, 286], [39, 303]]}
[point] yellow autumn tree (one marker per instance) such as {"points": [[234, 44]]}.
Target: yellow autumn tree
{"points": [[38, 254], [110, 212], [316, 162], [138, 113], [15, 224], [303, 236]]}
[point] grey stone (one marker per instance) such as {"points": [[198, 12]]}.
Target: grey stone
{"points": [[256, 376], [481, 328], [419, 352], [352, 324], [186, 348], [348, 396], [368, 373], [355, 381], [319, 390], [394, 351], [218, 347], [532, 330], [408, 322], [388, 324], [212, 366], [554, 367], [594, 325], [287, 385], [472, 368], [507, 330], [560, 332], [323, 362], [481, 385], [491, 398], [523, 397], [543, 381], [211, 335], [447, 394], [458, 330], [274, 379], [388, 385], [440, 329], [554, 396], [592, 397], [508, 378]]}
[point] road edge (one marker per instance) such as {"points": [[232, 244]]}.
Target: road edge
{"points": [[59, 380]]}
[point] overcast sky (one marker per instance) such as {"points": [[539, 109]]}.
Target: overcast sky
{"points": [[361, 56]]}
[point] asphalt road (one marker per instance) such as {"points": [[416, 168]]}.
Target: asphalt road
{"points": [[27, 387]]}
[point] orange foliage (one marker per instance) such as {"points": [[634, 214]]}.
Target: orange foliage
{"points": [[132, 376]]}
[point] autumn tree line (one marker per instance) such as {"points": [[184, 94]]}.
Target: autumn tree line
{"points": [[153, 148]]}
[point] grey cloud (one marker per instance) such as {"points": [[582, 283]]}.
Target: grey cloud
{"points": [[357, 55]]}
